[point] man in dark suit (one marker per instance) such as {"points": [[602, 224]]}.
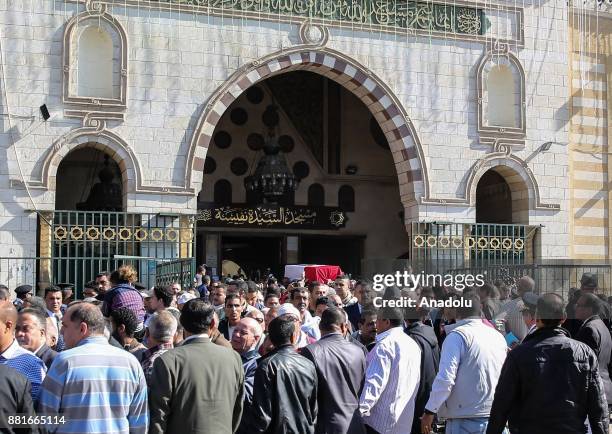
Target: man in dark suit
{"points": [[15, 398], [31, 333], [364, 295], [425, 337], [596, 335], [549, 383], [340, 367], [198, 386]]}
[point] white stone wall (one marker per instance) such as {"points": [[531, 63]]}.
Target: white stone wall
{"points": [[177, 60]]}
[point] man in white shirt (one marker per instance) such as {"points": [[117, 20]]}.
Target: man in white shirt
{"points": [[511, 312], [312, 328], [392, 377], [53, 300], [472, 356]]}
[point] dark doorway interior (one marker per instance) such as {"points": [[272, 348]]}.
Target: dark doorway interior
{"points": [[493, 199], [346, 252], [254, 254]]}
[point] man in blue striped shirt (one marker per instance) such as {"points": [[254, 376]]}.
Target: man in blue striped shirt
{"points": [[95, 386]]}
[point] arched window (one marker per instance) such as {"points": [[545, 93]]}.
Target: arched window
{"points": [[223, 192], [346, 198], [95, 64], [316, 195]]}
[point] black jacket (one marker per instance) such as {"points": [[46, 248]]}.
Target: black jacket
{"points": [[46, 354], [224, 328], [284, 394], [549, 385], [426, 338], [249, 364], [15, 397], [596, 335], [340, 367], [354, 315]]}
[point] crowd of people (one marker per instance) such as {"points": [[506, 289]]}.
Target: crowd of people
{"points": [[236, 356]]}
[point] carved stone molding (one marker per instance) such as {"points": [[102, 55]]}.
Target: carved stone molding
{"points": [[96, 136], [94, 118], [502, 144], [313, 34], [501, 159]]}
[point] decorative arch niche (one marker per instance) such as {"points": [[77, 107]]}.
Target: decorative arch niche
{"points": [[95, 60], [501, 97]]}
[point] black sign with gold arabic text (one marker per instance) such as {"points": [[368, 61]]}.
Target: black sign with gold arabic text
{"points": [[271, 217]]}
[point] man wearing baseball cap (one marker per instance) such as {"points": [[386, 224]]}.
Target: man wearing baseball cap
{"points": [[184, 298], [289, 310]]}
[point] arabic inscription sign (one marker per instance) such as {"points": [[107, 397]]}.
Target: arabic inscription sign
{"points": [[272, 217], [386, 14]]}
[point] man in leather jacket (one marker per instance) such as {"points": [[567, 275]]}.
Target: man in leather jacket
{"points": [[285, 388], [550, 383], [596, 335]]}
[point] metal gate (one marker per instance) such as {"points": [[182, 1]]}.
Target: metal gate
{"points": [[439, 247], [80, 244]]}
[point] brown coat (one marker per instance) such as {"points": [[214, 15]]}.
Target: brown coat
{"points": [[217, 338]]}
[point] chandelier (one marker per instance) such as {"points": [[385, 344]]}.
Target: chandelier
{"points": [[272, 178]]}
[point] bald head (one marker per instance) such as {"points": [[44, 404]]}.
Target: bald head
{"points": [[257, 315], [81, 321], [525, 284], [5, 295], [8, 313], [253, 326], [8, 321]]}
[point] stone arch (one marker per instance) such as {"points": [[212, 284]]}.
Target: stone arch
{"points": [[523, 185], [380, 100], [104, 141]]}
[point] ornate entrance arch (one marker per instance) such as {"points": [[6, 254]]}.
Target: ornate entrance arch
{"points": [[384, 106]]}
